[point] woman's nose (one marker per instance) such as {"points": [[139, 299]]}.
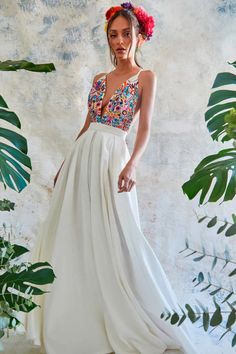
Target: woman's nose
{"points": [[119, 39]]}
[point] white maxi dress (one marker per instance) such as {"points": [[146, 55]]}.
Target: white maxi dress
{"points": [[110, 288]]}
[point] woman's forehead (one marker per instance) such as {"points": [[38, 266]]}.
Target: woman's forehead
{"points": [[120, 21]]}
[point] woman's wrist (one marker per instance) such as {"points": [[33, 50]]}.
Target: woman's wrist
{"points": [[133, 162]]}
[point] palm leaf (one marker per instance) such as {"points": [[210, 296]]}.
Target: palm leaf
{"points": [[3, 102], [215, 116], [14, 65], [12, 174], [233, 64], [214, 169]]}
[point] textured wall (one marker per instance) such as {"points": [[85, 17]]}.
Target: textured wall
{"points": [[193, 42]]}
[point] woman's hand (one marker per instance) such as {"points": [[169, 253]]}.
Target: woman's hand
{"points": [[128, 177]]}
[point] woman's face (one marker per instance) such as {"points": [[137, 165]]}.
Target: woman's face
{"points": [[119, 36]]}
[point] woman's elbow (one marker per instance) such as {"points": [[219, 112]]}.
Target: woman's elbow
{"points": [[144, 126]]}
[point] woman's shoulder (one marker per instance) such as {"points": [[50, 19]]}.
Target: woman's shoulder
{"points": [[148, 74], [147, 79], [97, 77]]}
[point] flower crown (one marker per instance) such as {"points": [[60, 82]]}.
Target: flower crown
{"points": [[146, 22]]}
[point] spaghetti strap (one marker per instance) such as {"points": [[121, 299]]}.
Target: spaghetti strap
{"points": [[131, 78], [136, 76], [103, 76]]}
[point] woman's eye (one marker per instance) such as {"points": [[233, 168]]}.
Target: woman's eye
{"points": [[126, 34]]}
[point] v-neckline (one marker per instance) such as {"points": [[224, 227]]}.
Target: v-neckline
{"points": [[115, 92]]}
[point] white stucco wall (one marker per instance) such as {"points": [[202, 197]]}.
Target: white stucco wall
{"points": [[193, 41]]}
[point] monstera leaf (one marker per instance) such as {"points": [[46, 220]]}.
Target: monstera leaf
{"points": [[12, 174], [215, 116], [19, 282], [218, 169]]}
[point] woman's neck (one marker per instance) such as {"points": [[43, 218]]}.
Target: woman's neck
{"points": [[124, 69]]}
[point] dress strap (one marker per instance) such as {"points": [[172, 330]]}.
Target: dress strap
{"points": [[103, 76], [135, 77]]}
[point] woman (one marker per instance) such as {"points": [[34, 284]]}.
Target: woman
{"points": [[110, 288]]}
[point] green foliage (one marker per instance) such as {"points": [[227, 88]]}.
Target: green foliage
{"points": [[215, 288], [217, 171], [12, 174], [230, 119], [12, 158], [229, 228], [219, 317], [6, 205], [215, 116], [226, 258], [14, 65], [208, 319], [16, 281]]}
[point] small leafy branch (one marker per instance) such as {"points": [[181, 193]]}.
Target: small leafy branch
{"points": [[229, 231], [207, 318], [203, 254], [219, 287], [220, 317]]}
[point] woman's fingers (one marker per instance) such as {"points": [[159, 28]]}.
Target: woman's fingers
{"points": [[128, 184], [131, 186], [120, 181]]}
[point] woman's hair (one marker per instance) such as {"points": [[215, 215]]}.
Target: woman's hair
{"points": [[132, 19]]}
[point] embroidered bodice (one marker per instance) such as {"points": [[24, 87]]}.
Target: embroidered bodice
{"points": [[120, 109]]}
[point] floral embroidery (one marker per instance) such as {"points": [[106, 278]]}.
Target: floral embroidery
{"points": [[120, 109]]}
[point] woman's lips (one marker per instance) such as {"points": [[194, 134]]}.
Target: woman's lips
{"points": [[120, 50]]}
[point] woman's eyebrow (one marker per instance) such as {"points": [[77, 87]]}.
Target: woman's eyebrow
{"points": [[114, 30]]}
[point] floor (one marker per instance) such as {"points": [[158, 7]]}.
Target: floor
{"points": [[17, 344]]}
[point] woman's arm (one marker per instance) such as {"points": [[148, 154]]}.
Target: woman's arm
{"points": [[146, 112], [143, 133], [85, 127]]}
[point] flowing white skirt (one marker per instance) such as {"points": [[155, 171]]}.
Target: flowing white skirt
{"points": [[110, 288]]}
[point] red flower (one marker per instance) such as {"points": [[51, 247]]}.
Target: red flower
{"points": [[146, 22], [110, 12]]}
